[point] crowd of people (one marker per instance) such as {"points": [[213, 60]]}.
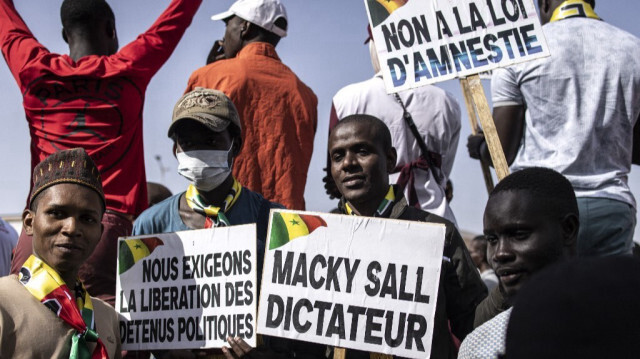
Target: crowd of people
{"points": [[558, 232]]}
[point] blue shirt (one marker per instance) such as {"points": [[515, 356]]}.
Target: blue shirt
{"points": [[250, 207]]}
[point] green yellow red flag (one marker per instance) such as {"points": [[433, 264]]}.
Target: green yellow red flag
{"points": [[135, 249], [286, 227]]}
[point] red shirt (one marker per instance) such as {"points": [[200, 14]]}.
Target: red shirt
{"points": [[279, 114], [95, 103]]}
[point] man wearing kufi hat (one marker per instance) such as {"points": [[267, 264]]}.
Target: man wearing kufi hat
{"points": [[45, 311]]}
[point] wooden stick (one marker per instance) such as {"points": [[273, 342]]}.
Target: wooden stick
{"points": [[373, 355], [488, 126], [473, 120], [339, 353]]}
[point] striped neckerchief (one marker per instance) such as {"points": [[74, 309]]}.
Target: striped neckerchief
{"points": [[215, 216], [384, 209]]}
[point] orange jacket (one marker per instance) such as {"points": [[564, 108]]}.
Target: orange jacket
{"points": [[279, 117]]}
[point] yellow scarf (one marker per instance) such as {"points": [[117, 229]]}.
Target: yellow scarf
{"points": [[573, 8], [383, 208]]}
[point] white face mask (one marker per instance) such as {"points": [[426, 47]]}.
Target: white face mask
{"points": [[205, 169]]}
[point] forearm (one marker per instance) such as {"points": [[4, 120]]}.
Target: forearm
{"points": [[152, 48]]}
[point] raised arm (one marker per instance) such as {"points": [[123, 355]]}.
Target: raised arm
{"points": [[151, 49], [17, 42]]}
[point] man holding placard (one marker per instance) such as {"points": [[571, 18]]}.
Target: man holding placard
{"points": [[46, 312], [576, 112], [206, 131], [361, 158], [434, 122]]}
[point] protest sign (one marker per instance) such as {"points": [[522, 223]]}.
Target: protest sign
{"points": [[421, 42], [187, 290], [356, 282]]}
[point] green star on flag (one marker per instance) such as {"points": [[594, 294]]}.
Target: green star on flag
{"points": [[286, 227], [135, 249]]}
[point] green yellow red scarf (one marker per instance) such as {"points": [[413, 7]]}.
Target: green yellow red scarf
{"points": [[573, 8], [47, 286], [383, 209], [214, 215]]}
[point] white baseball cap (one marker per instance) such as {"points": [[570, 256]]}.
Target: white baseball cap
{"points": [[263, 13]]}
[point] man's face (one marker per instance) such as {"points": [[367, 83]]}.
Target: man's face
{"points": [[359, 164], [522, 237], [232, 41], [193, 136], [66, 226]]}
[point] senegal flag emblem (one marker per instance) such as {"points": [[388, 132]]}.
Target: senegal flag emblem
{"points": [[381, 9], [286, 227], [133, 250]]}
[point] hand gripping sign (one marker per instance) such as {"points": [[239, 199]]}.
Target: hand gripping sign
{"points": [[421, 42], [187, 290], [356, 282]]}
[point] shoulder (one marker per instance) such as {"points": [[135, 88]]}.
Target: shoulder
{"points": [[102, 308], [222, 70], [156, 214], [13, 296], [488, 340], [257, 200], [356, 89]]}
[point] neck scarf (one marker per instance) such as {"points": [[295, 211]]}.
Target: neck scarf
{"points": [[384, 209], [573, 8], [215, 215], [47, 286]]}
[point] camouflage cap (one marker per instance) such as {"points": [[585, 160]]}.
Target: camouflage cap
{"points": [[211, 108]]}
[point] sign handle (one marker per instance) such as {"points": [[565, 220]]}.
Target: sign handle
{"points": [[379, 356], [488, 126], [473, 120], [339, 353]]}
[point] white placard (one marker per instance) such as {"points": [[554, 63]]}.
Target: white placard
{"points": [[421, 42], [187, 290], [353, 282]]}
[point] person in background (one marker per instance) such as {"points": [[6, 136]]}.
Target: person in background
{"points": [[157, 193], [530, 222], [421, 177], [45, 311], [362, 156], [576, 112], [92, 98], [277, 110], [478, 250], [8, 241]]}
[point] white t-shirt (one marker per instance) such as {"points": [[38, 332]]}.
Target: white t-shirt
{"points": [[436, 115], [582, 104], [8, 241]]}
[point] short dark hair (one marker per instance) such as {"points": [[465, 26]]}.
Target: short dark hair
{"points": [[79, 14], [383, 135], [546, 185]]}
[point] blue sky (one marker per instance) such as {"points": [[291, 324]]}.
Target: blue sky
{"points": [[324, 48]]}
